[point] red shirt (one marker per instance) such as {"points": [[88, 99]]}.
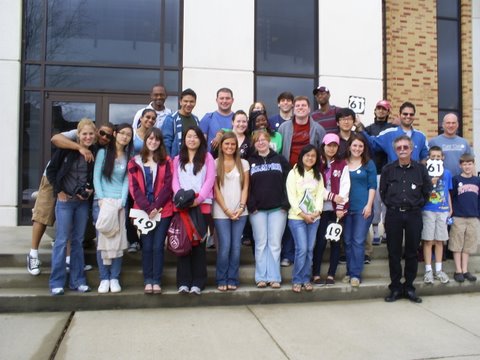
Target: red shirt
{"points": [[300, 138]]}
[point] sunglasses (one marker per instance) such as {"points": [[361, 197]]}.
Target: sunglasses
{"points": [[104, 134], [408, 114], [402, 147]]}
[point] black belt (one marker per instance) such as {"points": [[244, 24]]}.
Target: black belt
{"points": [[403, 208]]}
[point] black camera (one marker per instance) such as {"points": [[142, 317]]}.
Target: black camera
{"points": [[84, 190]]}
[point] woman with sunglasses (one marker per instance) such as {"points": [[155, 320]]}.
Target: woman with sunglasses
{"points": [[111, 182]]}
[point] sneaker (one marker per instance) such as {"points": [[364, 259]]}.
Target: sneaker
{"points": [[376, 241], [83, 288], [458, 277], [210, 242], [33, 265], [183, 290], [87, 267], [342, 259], [442, 277], [367, 259], [346, 279], [115, 286], [133, 247], [285, 263], [469, 276], [104, 286], [355, 282], [428, 277], [57, 291], [195, 290]]}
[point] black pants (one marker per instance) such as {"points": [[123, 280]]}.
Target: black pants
{"points": [[192, 269], [321, 243], [396, 224]]}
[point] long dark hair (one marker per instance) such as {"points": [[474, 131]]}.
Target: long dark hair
{"points": [[199, 158], [160, 154], [365, 157], [315, 167], [111, 150]]}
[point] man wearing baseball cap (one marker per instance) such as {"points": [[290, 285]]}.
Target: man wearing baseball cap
{"points": [[326, 114], [381, 112]]}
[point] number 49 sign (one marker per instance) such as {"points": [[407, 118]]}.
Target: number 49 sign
{"points": [[357, 104]]}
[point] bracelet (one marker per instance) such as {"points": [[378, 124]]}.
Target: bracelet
{"points": [[241, 206]]}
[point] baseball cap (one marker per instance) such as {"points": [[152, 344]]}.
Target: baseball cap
{"points": [[320, 89], [330, 138], [385, 104]]}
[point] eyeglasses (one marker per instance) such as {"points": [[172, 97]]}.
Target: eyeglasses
{"points": [[408, 114], [104, 134], [345, 119], [402, 147]]}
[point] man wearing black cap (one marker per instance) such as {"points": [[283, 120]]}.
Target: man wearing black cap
{"points": [[326, 115]]}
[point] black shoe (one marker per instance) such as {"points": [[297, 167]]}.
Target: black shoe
{"points": [[394, 296], [367, 260], [459, 277], [469, 276], [410, 295]]}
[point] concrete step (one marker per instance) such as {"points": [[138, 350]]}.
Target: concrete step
{"points": [[36, 299]]}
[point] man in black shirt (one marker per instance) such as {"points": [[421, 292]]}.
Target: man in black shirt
{"points": [[404, 188]]}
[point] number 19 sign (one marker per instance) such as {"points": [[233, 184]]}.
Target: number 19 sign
{"points": [[357, 104]]}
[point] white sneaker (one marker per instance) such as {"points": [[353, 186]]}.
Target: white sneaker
{"points": [[104, 286], [428, 277], [440, 275], [57, 291], [83, 288], [115, 286], [183, 289], [33, 265], [195, 290]]}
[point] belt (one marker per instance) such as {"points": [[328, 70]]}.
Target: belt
{"points": [[403, 208]]}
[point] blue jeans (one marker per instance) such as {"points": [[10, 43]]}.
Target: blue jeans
{"points": [[229, 235], [268, 227], [106, 272], [304, 236], [354, 234], [153, 250], [288, 245], [72, 217]]}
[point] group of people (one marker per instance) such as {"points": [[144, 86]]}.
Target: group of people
{"points": [[288, 183]]}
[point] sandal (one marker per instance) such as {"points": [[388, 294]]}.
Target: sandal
{"points": [[296, 288], [157, 289], [232, 287], [261, 284], [222, 288], [275, 285], [317, 280], [308, 287], [148, 289]]}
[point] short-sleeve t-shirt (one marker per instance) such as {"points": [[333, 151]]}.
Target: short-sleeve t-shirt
{"points": [[438, 200]]}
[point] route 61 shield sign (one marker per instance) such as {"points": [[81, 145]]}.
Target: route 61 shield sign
{"points": [[434, 167], [334, 230]]}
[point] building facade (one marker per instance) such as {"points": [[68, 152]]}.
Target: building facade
{"points": [[62, 60]]}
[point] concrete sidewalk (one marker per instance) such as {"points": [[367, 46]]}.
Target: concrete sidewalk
{"points": [[440, 327]]}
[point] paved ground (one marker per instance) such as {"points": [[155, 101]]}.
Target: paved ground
{"points": [[442, 327]]}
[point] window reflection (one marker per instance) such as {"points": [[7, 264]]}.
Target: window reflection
{"points": [[67, 114]]}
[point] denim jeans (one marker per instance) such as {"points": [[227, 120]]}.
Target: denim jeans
{"points": [[106, 272], [355, 233], [288, 245], [153, 250], [229, 235], [72, 217], [326, 218], [304, 236], [268, 227]]}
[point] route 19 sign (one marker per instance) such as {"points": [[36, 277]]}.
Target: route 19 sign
{"points": [[357, 104]]}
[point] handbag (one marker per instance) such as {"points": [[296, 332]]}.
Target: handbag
{"points": [[178, 241]]}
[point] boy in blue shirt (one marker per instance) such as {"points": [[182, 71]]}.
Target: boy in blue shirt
{"points": [[435, 214], [466, 211]]}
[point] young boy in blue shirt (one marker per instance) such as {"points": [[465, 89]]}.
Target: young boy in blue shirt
{"points": [[435, 214], [466, 213]]}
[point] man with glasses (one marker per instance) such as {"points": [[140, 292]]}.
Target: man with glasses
{"points": [[404, 188], [43, 212], [384, 140]]}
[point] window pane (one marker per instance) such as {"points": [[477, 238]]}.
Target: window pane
{"points": [[32, 146], [285, 36], [123, 113], [106, 31], [448, 65], [32, 75], [33, 29], [67, 114], [447, 8], [269, 87], [171, 32], [70, 77]]}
